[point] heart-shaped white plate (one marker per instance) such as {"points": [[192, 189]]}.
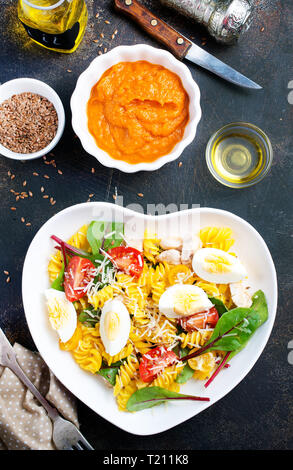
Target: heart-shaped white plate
{"points": [[91, 389]]}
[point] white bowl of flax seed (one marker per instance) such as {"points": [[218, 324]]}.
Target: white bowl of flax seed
{"points": [[32, 119]]}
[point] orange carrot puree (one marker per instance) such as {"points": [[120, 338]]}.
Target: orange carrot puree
{"points": [[137, 111]]}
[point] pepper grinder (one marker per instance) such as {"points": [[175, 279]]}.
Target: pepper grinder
{"points": [[225, 20]]}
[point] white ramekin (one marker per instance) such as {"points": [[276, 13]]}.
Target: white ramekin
{"points": [[26, 85], [94, 72]]}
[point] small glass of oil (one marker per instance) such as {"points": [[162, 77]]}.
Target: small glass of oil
{"points": [[58, 25], [239, 155]]}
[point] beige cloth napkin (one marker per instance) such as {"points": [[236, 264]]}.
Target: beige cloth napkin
{"points": [[24, 423]]}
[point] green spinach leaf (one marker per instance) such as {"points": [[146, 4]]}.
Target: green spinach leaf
{"points": [[153, 396], [89, 317], [220, 306], [236, 326], [58, 283], [97, 232]]}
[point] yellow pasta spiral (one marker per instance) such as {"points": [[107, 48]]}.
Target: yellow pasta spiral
{"points": [[140, 344], [125, 352], [88, 354], [167, 378], [158, 285], [99, 299], [217, 237], [126, 373], [124, 395], [210, 288], [196, 338], [151, 247]]}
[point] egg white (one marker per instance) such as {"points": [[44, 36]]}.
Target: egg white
{"points": [[217, 266], [114, 346], [190, 299], [62, 314]]}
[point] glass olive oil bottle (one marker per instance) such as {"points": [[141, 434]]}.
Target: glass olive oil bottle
{"points": [[55, 25]]}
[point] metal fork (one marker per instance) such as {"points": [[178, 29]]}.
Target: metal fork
{"points": [[66, 436]]}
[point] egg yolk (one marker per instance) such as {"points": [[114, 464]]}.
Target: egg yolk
{"points": [[112, 325], [186, 303], [217, 264], [58, 314]]}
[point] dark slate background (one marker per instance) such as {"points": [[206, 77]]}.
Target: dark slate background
{"points": [[257, 414]]}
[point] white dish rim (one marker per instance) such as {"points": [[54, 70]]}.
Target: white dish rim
{"points": [[133, 53], [26, 84], [138, 430]]}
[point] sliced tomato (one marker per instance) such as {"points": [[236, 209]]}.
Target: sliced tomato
{"points": [[127, 259], [201, 320], [78, 273], [154, 362]]}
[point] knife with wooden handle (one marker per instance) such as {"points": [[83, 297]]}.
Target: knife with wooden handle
{"points": [[179, 45]]}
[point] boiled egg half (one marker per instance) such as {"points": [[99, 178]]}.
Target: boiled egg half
{"points": [[62, 314], [217, 266], [182, 300], [114, 326]]}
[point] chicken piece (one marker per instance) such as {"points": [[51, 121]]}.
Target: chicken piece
{"points": [[170, 257], [172, 243], [240, 293], [191, 243]]}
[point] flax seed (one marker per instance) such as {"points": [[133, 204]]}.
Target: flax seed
{"points": [[6, 273], [47, 177], [140, 194], [60, 172], [28, 224], [8, 279], [12, 177], [102, 35], [45, 196], [35, 173], [93, 170], [13, 208], [42, 189], [30, 193], [180, 164], [22, 219]]}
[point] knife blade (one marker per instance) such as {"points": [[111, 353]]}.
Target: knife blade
{"points": [[179, 45]]}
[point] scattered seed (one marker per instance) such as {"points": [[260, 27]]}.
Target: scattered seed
{"points": [[46, 196], [180, 164], [30, 193], [116, 31], [97, 15], [13, 208], [47, 177], [140, 194], [9, 173], [107, 22], [35, 173], [24, 183], [42, 189], [53, 202], [262, 30], [68, 70], [6, 272], [105, 50], [95, 40], [22, 219], [114, 197], [93, 170], [60, 172], [8, 279], [12, 177], [17, 198], [102, 35], [28, 224], [90, 195], [203, 43]]}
